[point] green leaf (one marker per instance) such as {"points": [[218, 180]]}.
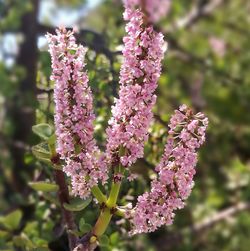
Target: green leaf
{"points": [[81, 222], [114, 238], [52, 143], [41, 152], [4, 235], [106, 248], [12, 220], [103, 240], [31, 228], [84, 228], [39, 242], [52, 198], [43, 186], [77, 204], [22, 241], [44, 131]]}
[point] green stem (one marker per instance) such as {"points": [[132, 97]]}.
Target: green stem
{"points": [[102, 222], [96, 191], [115, 189], [106, 215]]}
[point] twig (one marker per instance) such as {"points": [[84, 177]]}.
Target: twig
{"points": [[176, 238], [187, 56], [196, 13], [84, 243], [63, 195], [96, 44], [220, 216]]}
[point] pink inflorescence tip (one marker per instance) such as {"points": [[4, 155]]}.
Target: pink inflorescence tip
{"points": [[74, 114], [132, 112], [175, 173]]}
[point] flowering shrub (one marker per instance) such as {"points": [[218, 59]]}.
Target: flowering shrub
{"points": [[76, 150]]}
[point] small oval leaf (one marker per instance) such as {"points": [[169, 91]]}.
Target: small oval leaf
{"points": [[103, 240], [43, 186], [12, 220], [77, 204], [44, 131], [114, 238], [22, 241], [52, 143], [4, 235], [84, 228], [81, 222], [53, 198], [41, 152]]}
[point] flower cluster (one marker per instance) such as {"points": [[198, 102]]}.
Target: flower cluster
{"points": [[140, 71], [74, 114], [175, 173], [156, 9]]}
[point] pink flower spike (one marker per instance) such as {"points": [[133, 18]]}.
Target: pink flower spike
{"points": [[74, 114], [175, 173], [132, 112]]}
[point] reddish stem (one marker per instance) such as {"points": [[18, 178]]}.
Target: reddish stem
{"points": [[63, 194]]}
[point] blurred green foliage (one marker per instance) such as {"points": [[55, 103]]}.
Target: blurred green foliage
{"points": [[192, 73]]}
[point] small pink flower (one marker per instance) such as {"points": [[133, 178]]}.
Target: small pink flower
{"points": [[132, 176]]}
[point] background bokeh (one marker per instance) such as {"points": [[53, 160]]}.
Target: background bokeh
{"points": [[206, 66]]}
